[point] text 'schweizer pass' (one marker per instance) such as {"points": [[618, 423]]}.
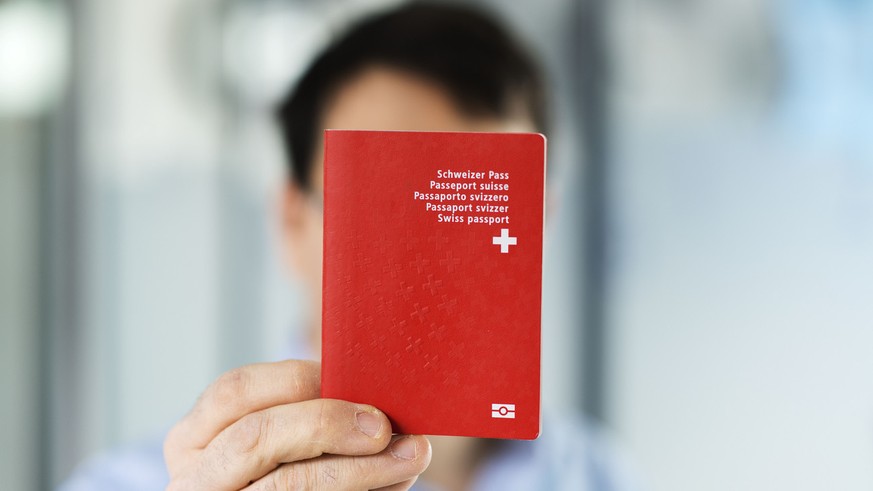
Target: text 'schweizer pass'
{"points": [[433, 278]]}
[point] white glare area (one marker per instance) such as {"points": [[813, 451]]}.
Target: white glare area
{"points": [[33, 57], [267, 48]]}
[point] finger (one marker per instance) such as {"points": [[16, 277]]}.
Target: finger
{"points": [[259, 442], [402, 461], [242, 391], [401, 486]]}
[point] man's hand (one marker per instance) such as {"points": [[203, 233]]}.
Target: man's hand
{"points": [[264, 427]]}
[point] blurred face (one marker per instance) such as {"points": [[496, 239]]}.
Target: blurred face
{"points": [[378, 98]]}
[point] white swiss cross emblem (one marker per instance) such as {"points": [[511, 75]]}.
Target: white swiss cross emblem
{"points": [[504, 240]]}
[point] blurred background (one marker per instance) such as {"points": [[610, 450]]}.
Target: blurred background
{"points": [[709, 267]]}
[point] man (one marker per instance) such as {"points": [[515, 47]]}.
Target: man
{"points": [[419, 67]]}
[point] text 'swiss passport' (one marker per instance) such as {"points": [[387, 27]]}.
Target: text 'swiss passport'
{"points": [[433, 278]]}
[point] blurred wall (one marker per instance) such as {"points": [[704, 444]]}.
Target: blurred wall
{"points": [[742, 302], [19, 341]]}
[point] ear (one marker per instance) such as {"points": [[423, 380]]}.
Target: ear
{"points": [[293, 211]]}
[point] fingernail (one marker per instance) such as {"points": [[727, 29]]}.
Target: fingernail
{"points": [[404, 448], [369, 423]]}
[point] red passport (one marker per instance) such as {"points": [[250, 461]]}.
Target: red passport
{"points": [[433, 278]]}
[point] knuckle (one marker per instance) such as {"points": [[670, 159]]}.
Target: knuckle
{"points": [[328, 475], [358, 467], [305, 377], [290, 478], [175, 439], [331, 425], [270, 483], [301, 476], [230, 388], [318, 475], [249, 434], [323, 421], [333, 429]]}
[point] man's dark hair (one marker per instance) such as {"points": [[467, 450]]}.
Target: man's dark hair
{"points": [[463, 50]]}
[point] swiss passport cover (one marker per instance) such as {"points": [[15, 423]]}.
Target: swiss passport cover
{"points": [[433, 278]]}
